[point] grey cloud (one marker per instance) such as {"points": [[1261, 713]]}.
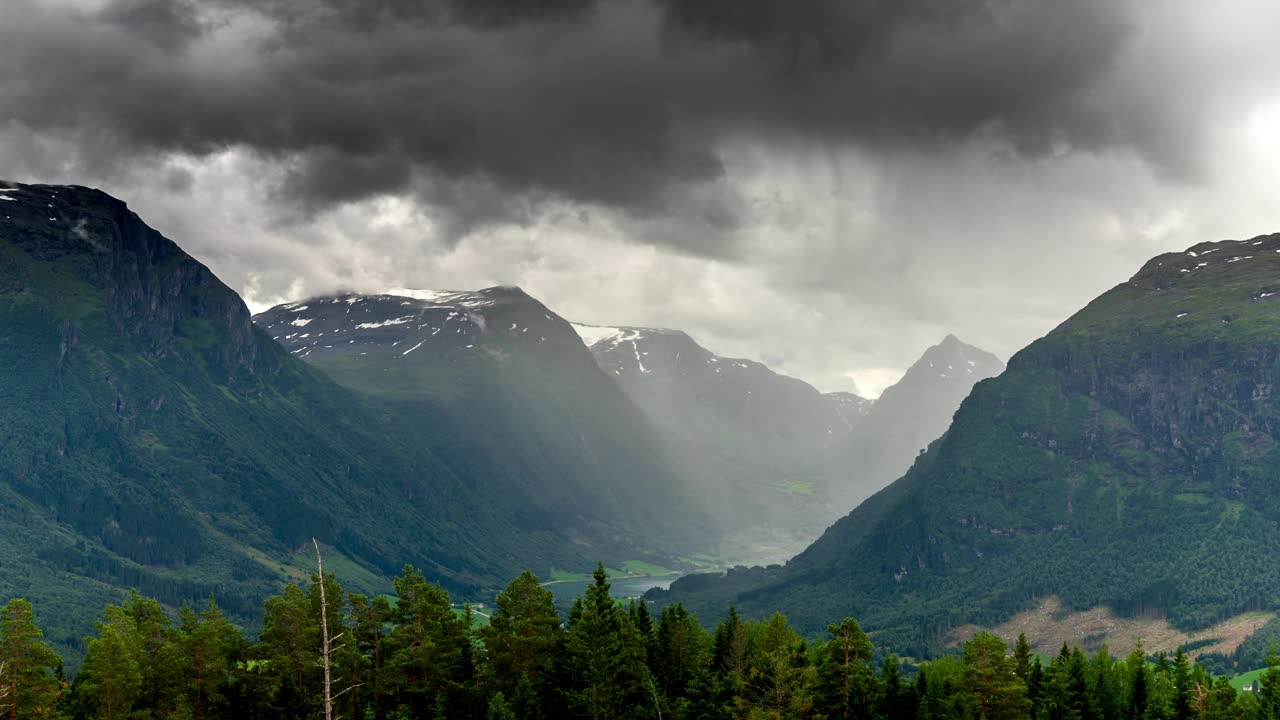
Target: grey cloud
{"points": [[622, 104], [167, 23]]}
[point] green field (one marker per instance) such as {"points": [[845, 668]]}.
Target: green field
{"points": [[630, 568], [640, 567], [1244, 679], [558, 575], [477, 619], [801, 488]]}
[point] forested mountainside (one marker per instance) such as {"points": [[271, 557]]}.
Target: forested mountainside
{"points": [[152, 437], [1128, 459], [503, 390]]}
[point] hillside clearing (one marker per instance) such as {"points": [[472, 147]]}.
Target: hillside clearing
{"points": [[1048, 626]]}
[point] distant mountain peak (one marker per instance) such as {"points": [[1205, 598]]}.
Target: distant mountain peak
{"points": [[953, 358], [417, 322], [595, 334]]}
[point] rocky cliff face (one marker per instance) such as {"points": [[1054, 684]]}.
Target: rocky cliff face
{"points": [[155, 291]]}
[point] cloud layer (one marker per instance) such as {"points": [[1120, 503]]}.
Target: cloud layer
{"points": [[826, 184]]}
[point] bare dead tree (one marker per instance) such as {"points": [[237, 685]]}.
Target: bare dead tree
{"points": [[326, 650], [327, 647]]}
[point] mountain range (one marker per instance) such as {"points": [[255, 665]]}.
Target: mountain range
{"points": [[781, 459], [505, 392], [157, 436]]}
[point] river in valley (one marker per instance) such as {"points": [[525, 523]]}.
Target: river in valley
{"points": [[624, 587]]}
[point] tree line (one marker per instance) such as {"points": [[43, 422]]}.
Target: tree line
{"points": [[413, 655]]}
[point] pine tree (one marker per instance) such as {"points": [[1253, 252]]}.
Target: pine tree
{"points": [[993, 689], [154, 635], [368, 621], [847, 686], [429, 662], [111, 680], [206, 653], [29, 669], [290, 644], [523, 639]]}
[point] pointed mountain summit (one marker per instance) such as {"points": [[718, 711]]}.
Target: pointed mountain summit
{"points": [[907, 416], [1124, 463]]}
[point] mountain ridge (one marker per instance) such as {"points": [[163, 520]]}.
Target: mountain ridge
{"points": [[1127, 459]]}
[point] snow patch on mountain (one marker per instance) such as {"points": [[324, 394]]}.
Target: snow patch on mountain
{"points": [[592, 334]]}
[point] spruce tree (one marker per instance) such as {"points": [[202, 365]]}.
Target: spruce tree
{"points": [[1181, 676], [1022, 657], [606, 657], [776, 678]]}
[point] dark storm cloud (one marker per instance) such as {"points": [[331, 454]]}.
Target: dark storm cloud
{"points": [[487, 108], [167, 23]]}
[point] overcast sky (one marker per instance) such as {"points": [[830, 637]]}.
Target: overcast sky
{"points": [[828, 186]]}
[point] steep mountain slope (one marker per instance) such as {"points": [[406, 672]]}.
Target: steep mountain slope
{"points": [[1127, 459], [749, 437], [503, 390], [152, 437], [909, 415]]}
